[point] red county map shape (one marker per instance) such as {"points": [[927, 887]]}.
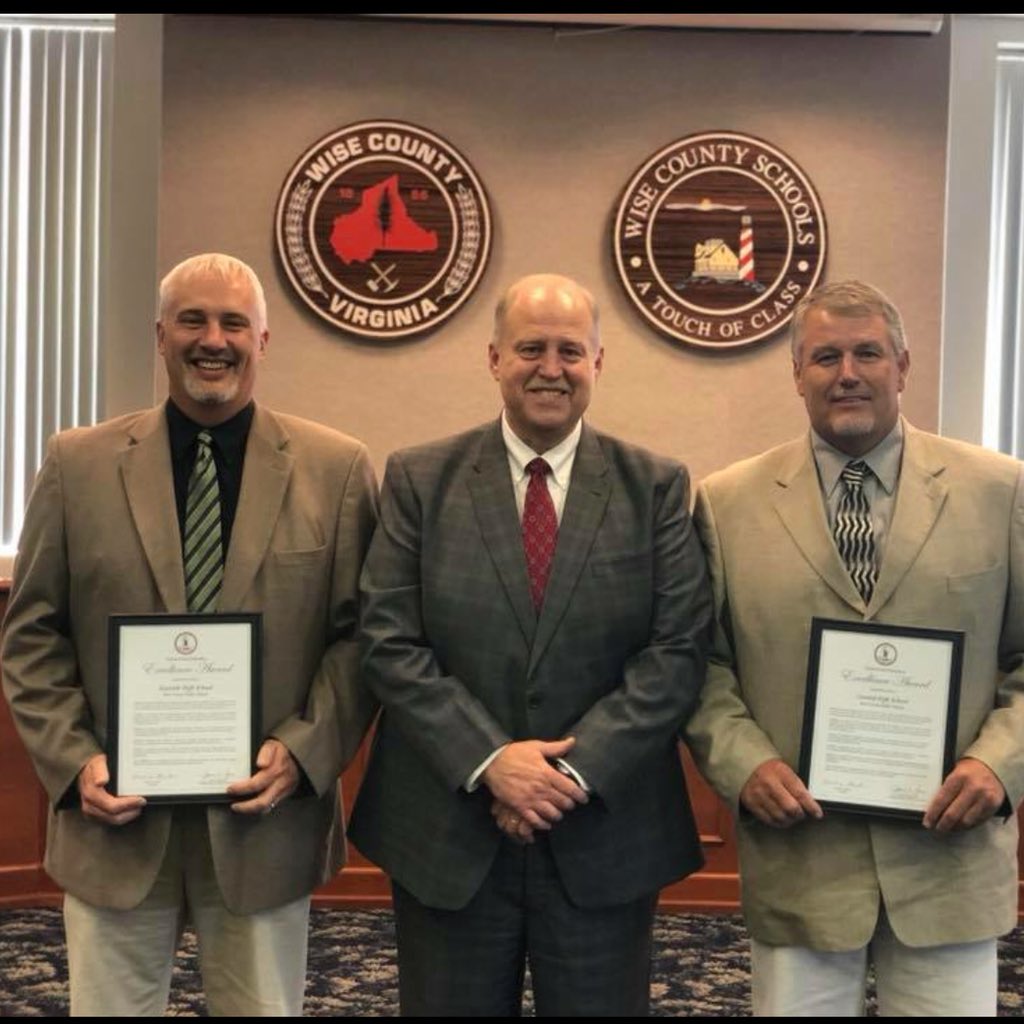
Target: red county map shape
{"points": [[380, 222]]}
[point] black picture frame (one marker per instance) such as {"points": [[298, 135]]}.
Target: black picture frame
{"points": [[187, 625], [886, 637]]}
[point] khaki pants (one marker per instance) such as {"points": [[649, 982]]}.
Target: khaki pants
{"points": [[120, 961], [934, 981]]}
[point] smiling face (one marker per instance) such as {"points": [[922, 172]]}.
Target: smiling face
{"points": [[546, 357], [850, 378], [211, 335]]}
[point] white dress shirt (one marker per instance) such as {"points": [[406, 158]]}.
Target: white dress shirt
{"points": [[560, 459]]}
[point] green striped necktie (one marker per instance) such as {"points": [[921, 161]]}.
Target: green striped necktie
{"points": [[203, 551]]}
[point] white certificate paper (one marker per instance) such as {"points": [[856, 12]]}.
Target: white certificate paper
{"points": [[182, 724], [881, 717]]}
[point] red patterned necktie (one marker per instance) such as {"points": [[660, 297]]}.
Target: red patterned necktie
{"points": [[540, 530]]}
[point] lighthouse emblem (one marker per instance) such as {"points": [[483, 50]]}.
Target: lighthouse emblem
{"points": [[714, 261], [716, 238]]}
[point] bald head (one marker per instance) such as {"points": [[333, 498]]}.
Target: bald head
{"points": [[545, 356], [551, 290]]}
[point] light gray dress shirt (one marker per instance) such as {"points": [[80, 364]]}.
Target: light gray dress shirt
{"points": [[880, 485]]}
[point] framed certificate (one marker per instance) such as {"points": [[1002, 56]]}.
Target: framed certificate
{"points": [[183, 704], [880, 716]]}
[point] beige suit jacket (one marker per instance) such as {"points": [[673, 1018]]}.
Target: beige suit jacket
{"points": [[101, 536], [954, 560]]}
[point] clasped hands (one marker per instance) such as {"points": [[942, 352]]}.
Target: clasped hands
{"points": [[275, 779], [969, 795], [530, 794]]}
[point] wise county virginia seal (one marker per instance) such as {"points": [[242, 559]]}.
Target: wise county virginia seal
{"points": [[717, 237], [383, 229]]}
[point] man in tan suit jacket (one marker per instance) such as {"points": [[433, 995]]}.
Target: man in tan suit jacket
{"points": [[103, 535], [824, 892]]}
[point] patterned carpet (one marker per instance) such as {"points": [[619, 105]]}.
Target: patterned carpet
{"points": [[700, 967]]}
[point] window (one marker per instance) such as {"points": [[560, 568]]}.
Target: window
{"points": [[982, 391], [55, 114], [1002, 425]]}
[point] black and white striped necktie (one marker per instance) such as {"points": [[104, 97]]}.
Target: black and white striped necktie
{"points": [[202, 549], [855, 538]]}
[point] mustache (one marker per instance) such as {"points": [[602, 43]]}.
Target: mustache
{"points": [[201, 351]]}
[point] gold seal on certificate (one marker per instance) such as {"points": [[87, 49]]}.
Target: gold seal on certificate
{"points": [[880, 715], [183, 704]]}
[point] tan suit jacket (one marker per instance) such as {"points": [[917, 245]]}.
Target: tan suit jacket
{"points": [[101, 536], [954, 560]]}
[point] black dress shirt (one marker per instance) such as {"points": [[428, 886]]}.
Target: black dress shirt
{"points": [[229, 440]]}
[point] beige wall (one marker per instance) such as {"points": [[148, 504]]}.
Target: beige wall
{"points": [[555, 123]]}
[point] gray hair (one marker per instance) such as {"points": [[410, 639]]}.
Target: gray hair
{"points": [[848, 298], [214, 264], [507, 300]]}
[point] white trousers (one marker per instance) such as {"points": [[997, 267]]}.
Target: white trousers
{"points": [[933, 981], [120, 961]]}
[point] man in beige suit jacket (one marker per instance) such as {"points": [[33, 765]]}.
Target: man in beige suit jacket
{"points": [[824, 892], [102, 535]]}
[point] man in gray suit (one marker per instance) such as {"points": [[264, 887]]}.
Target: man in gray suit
{"points": [[535, 631], [942, 546]]}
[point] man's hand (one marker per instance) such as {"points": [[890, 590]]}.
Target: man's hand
{"points": [[776, 795], [970, 794], [97, 802], [508, 820], [521, 778], [275, 780]]}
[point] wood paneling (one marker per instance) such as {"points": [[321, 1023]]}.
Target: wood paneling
{"points": [[22, 817]]}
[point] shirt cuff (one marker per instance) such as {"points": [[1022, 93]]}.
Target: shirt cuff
{"points": [[473, 782], [567, 769]]}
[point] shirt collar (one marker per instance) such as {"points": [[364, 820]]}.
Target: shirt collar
{"points": [[229, 436], [883, 460], [560, 458]]}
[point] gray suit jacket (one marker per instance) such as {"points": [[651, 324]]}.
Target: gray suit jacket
{"points": [[462, 664], [101, 536], [954, 559]]}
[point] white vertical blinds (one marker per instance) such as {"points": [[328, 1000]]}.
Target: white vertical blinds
{"points": [[55, 105], [1003, 426]]}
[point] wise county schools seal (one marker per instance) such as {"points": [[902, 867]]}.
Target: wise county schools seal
{"points": [[383, 229], [717, 237]]}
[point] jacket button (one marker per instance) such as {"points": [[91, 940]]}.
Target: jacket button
{"points": [[534, 700]]}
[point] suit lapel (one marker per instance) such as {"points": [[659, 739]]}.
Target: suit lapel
{"points": [[494, 502], [585, 504], [919, 500], [265, 476], [798, 502], [149, 486]]}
